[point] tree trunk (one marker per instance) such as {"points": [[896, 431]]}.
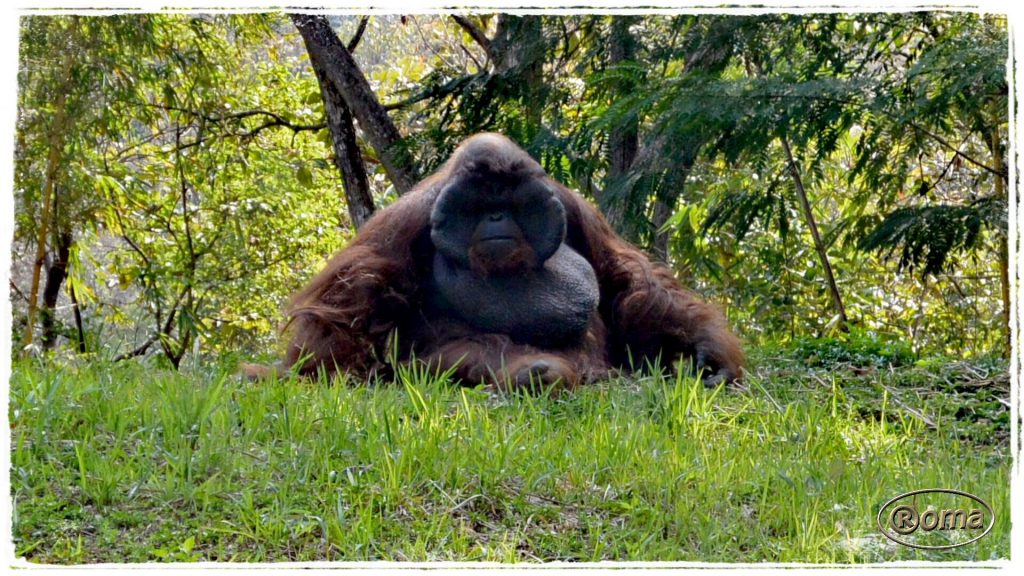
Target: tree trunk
{"points": [[347, 157], [175, 356], [337, 64], [1004, 248], [819, 246], [676, 156], [669, 191], [520, 50], [56, 272], [624, 137], [79, 327], [664, 206], [53, 160]]}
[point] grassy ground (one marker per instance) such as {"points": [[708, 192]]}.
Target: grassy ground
{"points": [[127, 463]]}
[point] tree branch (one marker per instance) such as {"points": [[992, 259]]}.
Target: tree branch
{"points": [[17, 291], [139, 351], [476, 34], [276, 120], [358, 35], [937, 138], [165, 330], [435, 91], [296, 128], [956, 151]]}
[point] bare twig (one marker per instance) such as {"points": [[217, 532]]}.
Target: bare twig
{"points": [[139, 351], [17, 291]]}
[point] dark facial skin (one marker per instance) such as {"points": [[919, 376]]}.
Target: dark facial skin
{"points": [[497, 225], [501, 264]]}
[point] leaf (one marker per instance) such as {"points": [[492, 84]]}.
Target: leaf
{"points": [[695, 219], [304, 176], [111, 221], [169, 97]]}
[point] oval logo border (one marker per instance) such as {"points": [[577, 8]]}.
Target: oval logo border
{"points": [[890, 502]]}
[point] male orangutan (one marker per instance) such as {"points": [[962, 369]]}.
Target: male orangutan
{"points": [[493, 268]]}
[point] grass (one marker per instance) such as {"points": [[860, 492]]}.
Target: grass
{"points": [[130, 463]]}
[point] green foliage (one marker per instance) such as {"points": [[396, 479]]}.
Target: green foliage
{"points": [[856, 348], [744, 209], [896, 122], [929, 235], [194, 206]]}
